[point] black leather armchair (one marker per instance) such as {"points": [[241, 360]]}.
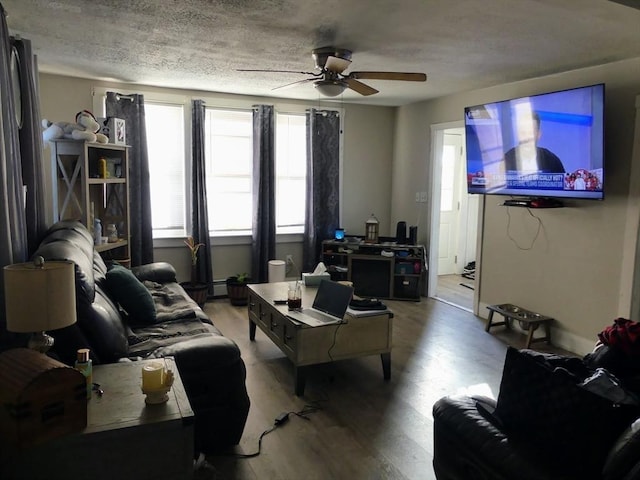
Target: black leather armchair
{"points": [[548, 427]]}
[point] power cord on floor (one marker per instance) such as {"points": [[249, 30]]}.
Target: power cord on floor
{"points": [[279, 421]]}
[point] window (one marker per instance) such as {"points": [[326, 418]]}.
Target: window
{"points": [[229, 155], [229, 159], [166, 147], [229, 168], [291, 170]]}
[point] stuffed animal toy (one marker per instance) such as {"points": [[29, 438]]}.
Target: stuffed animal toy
{"points": [[86, 129]]}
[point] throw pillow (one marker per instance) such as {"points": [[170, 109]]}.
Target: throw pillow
{"points": [[541, 405], [131, 294]]}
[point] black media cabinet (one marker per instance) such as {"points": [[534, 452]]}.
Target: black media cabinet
{"points": [[377, 270]]}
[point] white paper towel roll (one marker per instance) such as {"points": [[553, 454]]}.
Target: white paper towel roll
{"points": [[276, 271]]}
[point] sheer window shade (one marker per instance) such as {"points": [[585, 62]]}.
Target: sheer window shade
{"points": [[229, 153], [165, 134], [291, 170]]}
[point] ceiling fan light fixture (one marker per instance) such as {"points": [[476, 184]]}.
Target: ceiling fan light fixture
{"points": [[330, 88]]}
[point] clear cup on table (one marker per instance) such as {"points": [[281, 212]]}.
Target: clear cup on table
{"points": [[294, 296]]}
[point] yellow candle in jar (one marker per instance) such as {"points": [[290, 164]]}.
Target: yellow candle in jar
{"points": [[153, 376]]}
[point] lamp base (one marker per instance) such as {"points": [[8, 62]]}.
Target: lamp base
{"points": [[40, 342]]}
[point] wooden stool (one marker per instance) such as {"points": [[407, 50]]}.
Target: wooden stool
{"points": [[529, 321]]}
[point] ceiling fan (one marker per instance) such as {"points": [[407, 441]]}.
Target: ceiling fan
{"points": [[330, 79]]}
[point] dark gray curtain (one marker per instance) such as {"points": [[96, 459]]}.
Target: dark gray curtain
{"points": [[13, 229], [31, 144], [199, 211], [264, 193], [323, 183], [131, 109]]}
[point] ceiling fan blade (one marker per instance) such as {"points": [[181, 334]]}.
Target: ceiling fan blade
{"points": [[407, 77], [337, 65], [294, 84], [278, 71], [360, 87]]}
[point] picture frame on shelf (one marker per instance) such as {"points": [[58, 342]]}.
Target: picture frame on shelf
{"points": [[115, 129]]}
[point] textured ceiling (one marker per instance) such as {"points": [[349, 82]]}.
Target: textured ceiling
{"points": [[200, 44]]}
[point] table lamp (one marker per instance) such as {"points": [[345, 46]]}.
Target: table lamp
{"points": [[39, 297]]}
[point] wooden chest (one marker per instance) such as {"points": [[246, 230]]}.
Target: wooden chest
{"points": [[40, 398]]}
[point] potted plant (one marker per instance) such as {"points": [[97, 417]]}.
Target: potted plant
{"points": [[196, 290], [237, 289]]}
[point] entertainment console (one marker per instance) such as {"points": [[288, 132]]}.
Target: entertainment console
{"points": [[378, 270]]}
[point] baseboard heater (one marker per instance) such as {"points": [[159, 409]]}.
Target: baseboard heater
{"points": [[219, 288]]}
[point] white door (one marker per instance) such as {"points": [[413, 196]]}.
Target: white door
{"points": [[450, 200]]}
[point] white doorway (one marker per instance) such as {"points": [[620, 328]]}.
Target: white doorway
{"points": [[454, 221]]}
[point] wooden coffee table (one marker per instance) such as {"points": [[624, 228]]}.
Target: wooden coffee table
{"points": [[305, 345]]}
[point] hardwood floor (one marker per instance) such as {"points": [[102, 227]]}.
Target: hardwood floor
{"points": [[365, 427], [457, 290]]}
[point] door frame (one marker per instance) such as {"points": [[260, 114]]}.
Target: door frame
{"points": [[437, 142], [456, 242]]}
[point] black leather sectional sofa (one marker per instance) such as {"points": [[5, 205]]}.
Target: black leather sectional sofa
{"points": [[209, 364]]}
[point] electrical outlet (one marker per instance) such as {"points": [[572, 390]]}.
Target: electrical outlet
{"points": [[423, 197], [417, 197]]}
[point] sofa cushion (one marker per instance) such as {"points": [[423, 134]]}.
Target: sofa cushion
{"points": [[161, 272], [69, 240], [102, 325], [541, 404], [131, 294], [144, 340]]}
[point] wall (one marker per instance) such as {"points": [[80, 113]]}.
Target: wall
{"points": [[576, 270], [367, 168], [367, 146]]}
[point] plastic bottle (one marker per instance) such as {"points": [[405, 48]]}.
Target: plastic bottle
{"points": [[97, 231], [112, 233], [84, 365], [102, 166]]}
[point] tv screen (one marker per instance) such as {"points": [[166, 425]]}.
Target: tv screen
{"points": [[548, 145]]}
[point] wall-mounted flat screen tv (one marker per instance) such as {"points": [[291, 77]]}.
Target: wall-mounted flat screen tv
{"points": [[548, 145]]}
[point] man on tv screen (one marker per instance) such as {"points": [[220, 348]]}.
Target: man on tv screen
{"points": [[527, 157]]}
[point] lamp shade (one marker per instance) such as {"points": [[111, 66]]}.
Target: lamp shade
{"points": [[39, 297]]}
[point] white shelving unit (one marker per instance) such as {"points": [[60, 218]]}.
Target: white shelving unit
{"points": [[82, 192]]}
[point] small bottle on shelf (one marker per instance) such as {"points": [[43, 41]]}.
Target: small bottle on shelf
{"points": [[102, 168], [97, 232], [84, 365], [112, 233]]}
